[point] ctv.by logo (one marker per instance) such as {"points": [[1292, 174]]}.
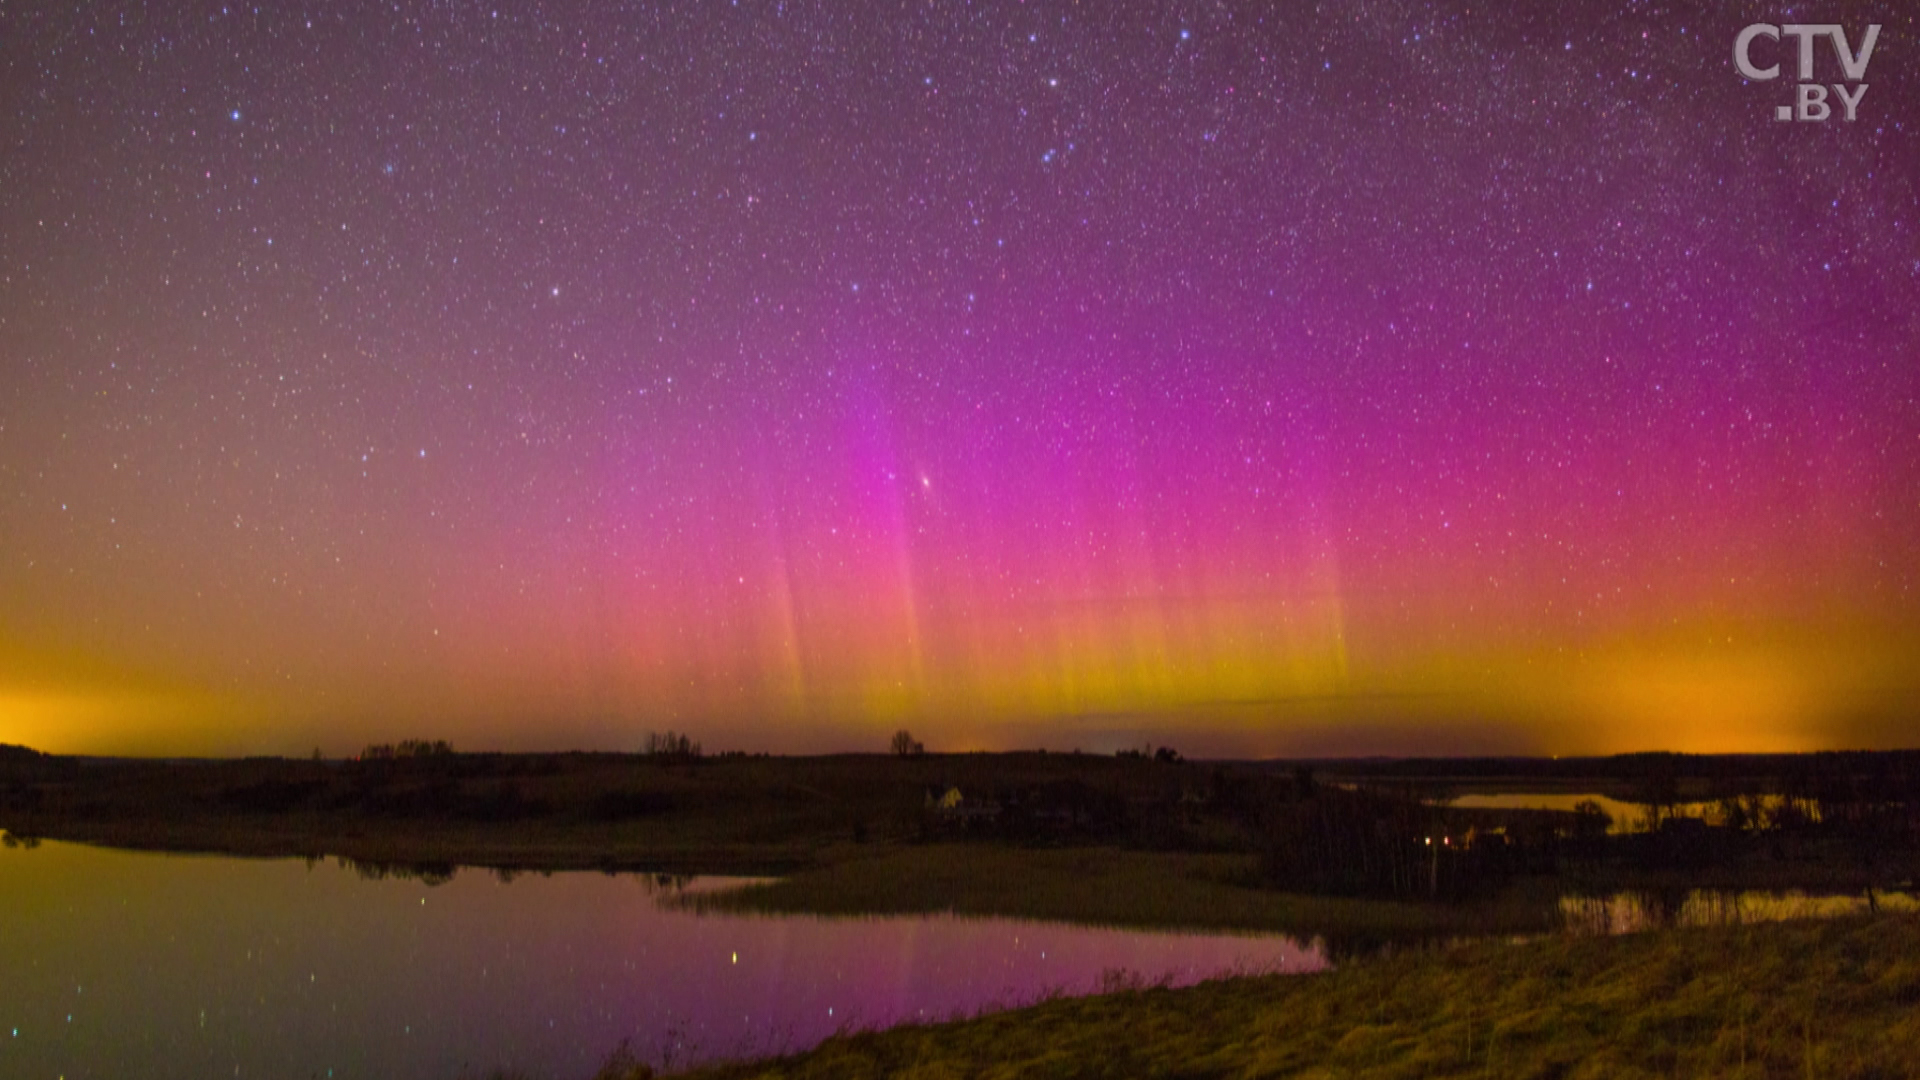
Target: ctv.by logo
{"points": [[1810, 98]]}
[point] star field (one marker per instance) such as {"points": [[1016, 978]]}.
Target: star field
{"points": [[1397, 377]]}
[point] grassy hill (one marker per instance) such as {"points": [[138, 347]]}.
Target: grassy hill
{"points": [[1837, 999]]}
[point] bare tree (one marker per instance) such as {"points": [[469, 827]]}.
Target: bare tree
{"points": [[905, 745], [671, 745]]}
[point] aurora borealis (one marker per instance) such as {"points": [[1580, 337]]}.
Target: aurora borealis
{"points": [[1363, 378]]}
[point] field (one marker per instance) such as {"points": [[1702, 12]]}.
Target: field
{"points": [[1838, 999], [1116, 887]]}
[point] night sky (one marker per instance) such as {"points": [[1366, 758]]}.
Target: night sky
{"points": [[1259, 378]]}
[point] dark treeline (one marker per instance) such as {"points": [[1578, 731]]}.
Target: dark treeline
{"points": [[24, 763], [1838, 820], [671, 745], [1310, 836], [1377, 828], [405, 748], [1816, 819]]}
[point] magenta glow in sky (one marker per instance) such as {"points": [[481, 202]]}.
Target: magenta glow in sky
{"points": [[1381, 377]]}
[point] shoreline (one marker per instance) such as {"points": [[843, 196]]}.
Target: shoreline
{"points": [[1832, 998]]}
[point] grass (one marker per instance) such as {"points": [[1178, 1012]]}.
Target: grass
{"points": [[1827, 999], [1114, 887]]}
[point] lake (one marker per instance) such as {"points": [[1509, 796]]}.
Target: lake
{"points": [[124, 964], [1625, 816], [1639, 911]]}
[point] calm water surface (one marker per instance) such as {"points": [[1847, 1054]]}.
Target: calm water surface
{"points": [[1634, 912], [123, 964], [1625, 815]]}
